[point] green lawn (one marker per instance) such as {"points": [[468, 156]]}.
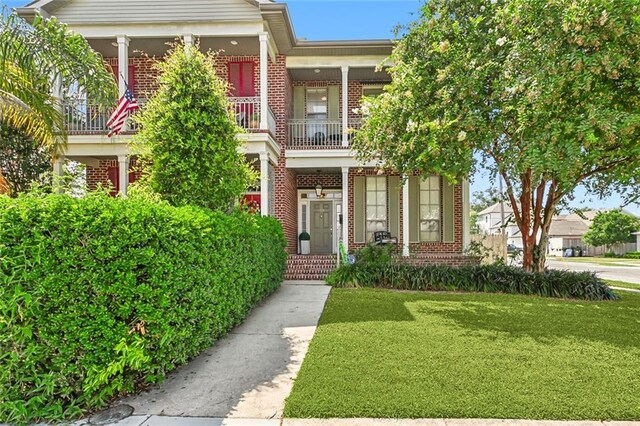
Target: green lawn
{"points": [[603, 261], [379, 353], [623, 284]]}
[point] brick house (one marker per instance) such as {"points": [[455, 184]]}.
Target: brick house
{"points": [[298, 102]]}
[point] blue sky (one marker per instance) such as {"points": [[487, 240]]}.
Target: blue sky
{"points": [[375, 19]]}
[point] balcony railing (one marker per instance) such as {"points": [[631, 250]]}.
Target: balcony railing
{"points": [[309, 133], [83, 117], [312, 133]]}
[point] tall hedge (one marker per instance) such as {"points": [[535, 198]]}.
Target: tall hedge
{"points": [[101, 295]]}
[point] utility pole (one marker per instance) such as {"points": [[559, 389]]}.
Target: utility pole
{"points": [[501, 205]]}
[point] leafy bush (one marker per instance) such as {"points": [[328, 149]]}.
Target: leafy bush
{"points": [[610, 254], [632, 255], [190, 133], [379, 270], [99, 296]]}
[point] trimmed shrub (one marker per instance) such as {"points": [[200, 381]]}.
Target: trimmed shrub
{"points": [[632, 255], [99, 296], [374, 267]]}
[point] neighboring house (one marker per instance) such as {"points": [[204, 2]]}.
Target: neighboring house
{"points": [[489, 222], [637, 234], [567, 232], [297, 99]]}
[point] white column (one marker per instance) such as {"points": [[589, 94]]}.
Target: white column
{"points": [[123, 63], [264, 89], [466, 211], [405, 216], [264, 184], [345, 208], [188, 41], [123, 174], [57, 92], [58, 172], [345, 105]]}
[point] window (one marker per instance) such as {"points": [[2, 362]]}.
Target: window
{"points": [[376, 196], [430, 209], [317, 112], [241, 79]]}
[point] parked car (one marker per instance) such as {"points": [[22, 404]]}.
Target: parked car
{"points": [[513, 249]]}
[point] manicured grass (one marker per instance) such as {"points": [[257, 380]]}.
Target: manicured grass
{"points": [[380, 353], [603, 261], [623, 284]]}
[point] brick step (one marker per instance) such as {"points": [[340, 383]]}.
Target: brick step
{"points": [[305, 277], [309, 267]]}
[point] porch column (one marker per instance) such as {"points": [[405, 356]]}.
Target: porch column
{"points": [[466, 211], [264, 184], [188, 41], [345, 208], [58, 172], [405, 216], [345, 105], [57, 92], [123, 63], [264, 93], [123, 174]]}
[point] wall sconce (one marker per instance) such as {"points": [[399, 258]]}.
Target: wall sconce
{"points": [[319, 193]]}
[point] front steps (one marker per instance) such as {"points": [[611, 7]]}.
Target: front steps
{"points": [[310, 267]]}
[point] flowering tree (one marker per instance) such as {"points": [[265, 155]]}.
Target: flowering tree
{"points": [[547, 90]]}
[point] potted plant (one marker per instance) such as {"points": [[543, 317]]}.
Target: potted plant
{"points": [[305, 244]]}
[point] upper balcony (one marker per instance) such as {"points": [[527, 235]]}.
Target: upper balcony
{"points": [[321, 133], [84, 118]]}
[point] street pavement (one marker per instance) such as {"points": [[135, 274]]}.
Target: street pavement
{"points": [[630, 274]]}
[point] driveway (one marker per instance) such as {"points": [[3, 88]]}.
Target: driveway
{"points": [[628, 274], [249, 373]]}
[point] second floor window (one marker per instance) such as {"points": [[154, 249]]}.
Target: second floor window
{"points": [[241, 79]]}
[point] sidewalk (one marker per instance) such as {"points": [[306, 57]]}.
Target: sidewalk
{"points": [[184, 421], [246, 375]]}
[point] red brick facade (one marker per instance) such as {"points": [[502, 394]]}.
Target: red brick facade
{"points": [[100, 174], [287, 181], [328, 181]]}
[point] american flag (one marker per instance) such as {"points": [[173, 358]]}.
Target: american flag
{"points": [[118, 119]]}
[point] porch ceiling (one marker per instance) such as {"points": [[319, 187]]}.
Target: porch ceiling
{"points": [[246, 46], [358, 74], [318, 171]]}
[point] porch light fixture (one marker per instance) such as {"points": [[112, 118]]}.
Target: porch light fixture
{"points": [[234, 42], [114, 44], [319, 193], [317, 70]]}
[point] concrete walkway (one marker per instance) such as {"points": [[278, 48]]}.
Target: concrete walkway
{"points": [[246, 375]]}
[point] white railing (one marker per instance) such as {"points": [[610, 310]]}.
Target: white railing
{"points": [[314, 133], [272, 122], [86, 117], [354, 124], [247, 111], [83, 116]]}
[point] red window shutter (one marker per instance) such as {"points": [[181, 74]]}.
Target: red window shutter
{"points": [[132, 76], [241, 79], [112, 174], [132, 79]]}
